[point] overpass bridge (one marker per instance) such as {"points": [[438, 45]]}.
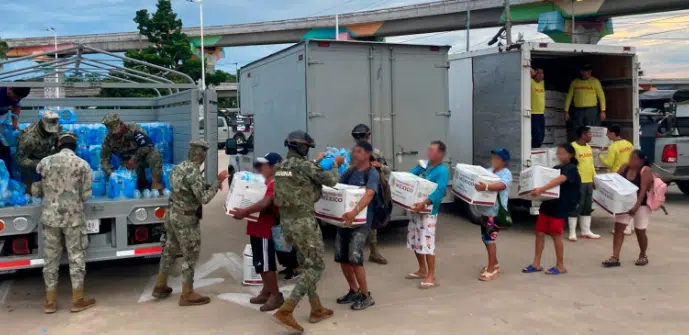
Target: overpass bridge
{"points": [[436, 16], [664, 84]]}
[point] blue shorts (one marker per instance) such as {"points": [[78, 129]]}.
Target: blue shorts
{"points": [[489, 231]]}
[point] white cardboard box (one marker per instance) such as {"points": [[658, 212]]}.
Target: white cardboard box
{"points": [[597, 163], [466, 177], [614, 193], [555, 135], [544, 157], [243, 194], [599, 138], [407, 189], [538, 176], [338, 200], [554, 117]]}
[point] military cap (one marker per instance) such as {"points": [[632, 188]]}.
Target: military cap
{"points": [[67, 135], [50, 120], [300, 136], [111, 120], [199, 144]]}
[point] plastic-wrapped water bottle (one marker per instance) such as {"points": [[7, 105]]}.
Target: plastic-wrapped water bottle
{"points": [[167, 169], [94, 156], [147, 194], [83, 153], [130, 182], [82, 131], [137, 194], [166, 193], [67, 116], [4, 177], [97, 135], [327, 162], [98, 183]]}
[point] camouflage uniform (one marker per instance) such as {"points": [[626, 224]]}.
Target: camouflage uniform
{"points": [[298, 185], [385, 174], [130, 144], [66, 186], [189, 193], [36, 142]]}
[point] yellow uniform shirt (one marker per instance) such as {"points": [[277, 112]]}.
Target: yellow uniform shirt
{"points": [[585, 93], [618, 155], [585, 157], [537, 97]]}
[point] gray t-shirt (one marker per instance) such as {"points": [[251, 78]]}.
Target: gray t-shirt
{"points": [[358, 178]]}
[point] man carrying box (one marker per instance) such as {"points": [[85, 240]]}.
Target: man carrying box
{"points": [[261, 236], [350, 242], [587, 171], [421, 235], [618, 155]]}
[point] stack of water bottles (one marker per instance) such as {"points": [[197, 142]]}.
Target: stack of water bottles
{"points": [[12, 192], [331, 153]]}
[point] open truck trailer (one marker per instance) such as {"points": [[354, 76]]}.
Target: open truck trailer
{"points": [[490, 98], [118, 228]]}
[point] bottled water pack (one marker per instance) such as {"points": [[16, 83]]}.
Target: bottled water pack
{"points": [[331, 153]]}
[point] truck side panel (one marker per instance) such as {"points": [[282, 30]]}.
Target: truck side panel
{"points": [[274, 91], [175, 110], [461, 105], [497, 112], [210, 109]]}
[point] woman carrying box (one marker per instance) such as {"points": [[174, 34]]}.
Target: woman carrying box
{"points": [[638, 171], [553, 213]]}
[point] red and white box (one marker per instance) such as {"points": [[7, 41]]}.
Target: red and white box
{"points": [[599, 138], [614, 194], [407, 189], [244, 194], [338, 200], [465, 179], [535, 177]]}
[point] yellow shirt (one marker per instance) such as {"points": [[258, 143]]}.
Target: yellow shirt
{"points": [[586, 93], [618, 155], [537, 97], [585, 157]]}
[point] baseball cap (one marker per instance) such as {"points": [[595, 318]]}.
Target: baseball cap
{"points": [[270, 158], [502, 153]]}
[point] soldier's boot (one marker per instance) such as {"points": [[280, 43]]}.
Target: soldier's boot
{"points": [[155, 181], [161, 290], [284, 316], [191, 298], [79, 302], [50, 302], [318, 312]]}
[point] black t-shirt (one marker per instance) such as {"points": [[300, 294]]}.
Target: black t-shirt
{"points": [[569, 194]]}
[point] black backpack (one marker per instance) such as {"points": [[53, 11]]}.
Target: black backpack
{"points": [[382, 200]]}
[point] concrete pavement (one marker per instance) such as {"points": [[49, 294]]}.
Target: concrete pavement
{"points": [[588, 300]]}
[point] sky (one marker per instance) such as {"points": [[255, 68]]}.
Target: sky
{"points": [[661, 39]]}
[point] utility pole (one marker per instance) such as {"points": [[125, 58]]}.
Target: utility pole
{"points": [[468, 24], [574, 20], [508, 23]]}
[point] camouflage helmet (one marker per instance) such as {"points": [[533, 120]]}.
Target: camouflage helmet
{"points": [[197, 150], [112, 121], [361, 130], [299, 137], [199, 144], [50, 121], [67, 137]]}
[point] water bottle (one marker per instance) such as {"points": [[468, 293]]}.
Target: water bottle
{"points": [[147, 194], [327, 162], [4, 177], [166, 193], [130, 182], [67, 116], [83, 153], [137, 194], [82, 132], [167, 169], [98, 183], [94, 156]]}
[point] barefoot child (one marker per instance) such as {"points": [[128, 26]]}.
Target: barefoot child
{"points": [[489, 229], [554, 213]]}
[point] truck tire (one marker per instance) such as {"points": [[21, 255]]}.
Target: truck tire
{"points": [[472, 213], [683, 186]]}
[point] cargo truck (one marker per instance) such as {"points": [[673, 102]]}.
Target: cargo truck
{"points": [[326, 87], [126, 228], [490, 99]]}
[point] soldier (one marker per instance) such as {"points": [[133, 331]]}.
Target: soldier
{"points": [[298, 186], [134, 148], [363, 133], [66, 186], [189, 193], [36, 142]]}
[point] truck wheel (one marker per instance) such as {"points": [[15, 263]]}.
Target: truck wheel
{"points": [[472, 213], [683, 186]]}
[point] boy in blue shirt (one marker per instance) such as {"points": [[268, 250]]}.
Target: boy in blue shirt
{"points": [[489, 230], [421, 235]]}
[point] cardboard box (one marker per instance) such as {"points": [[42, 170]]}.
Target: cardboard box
{"points": [[544, 157], [466, 177], [599, 138], [243, 194], [554, 117], [407, 189], [596, 159], [614, 194], [555, 135], [555, 95], [337, 201], [538, 176]]}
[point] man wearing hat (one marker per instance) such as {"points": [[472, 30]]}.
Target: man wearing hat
{"points": [[36, 142], [10, 109], [183, 233], [66, 186], [134, 148], [261, 235], [587, 93]]}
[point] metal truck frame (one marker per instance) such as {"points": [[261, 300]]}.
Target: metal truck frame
{"points": [[126, 228]]}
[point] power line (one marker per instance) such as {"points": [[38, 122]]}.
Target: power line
{"points": [[333, 7], [423, 37]]}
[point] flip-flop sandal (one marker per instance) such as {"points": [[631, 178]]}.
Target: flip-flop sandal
{"points": [[427, 286], [555, 272], [414, 276], [611, 262], [487, 276], [485, 268], [531, 269], [641, 261]]}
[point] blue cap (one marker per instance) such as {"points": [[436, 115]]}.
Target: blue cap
{"points": [[270, 158], [502, 153]]}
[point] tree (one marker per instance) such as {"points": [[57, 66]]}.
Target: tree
{"points": [[4, 48]]}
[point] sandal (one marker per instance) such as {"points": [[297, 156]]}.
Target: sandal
{"points": [[611, 262], [555, 271], [643, 260], [487, 276], [485, 268], [427, 285], [531, 269], [413, 275]]}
